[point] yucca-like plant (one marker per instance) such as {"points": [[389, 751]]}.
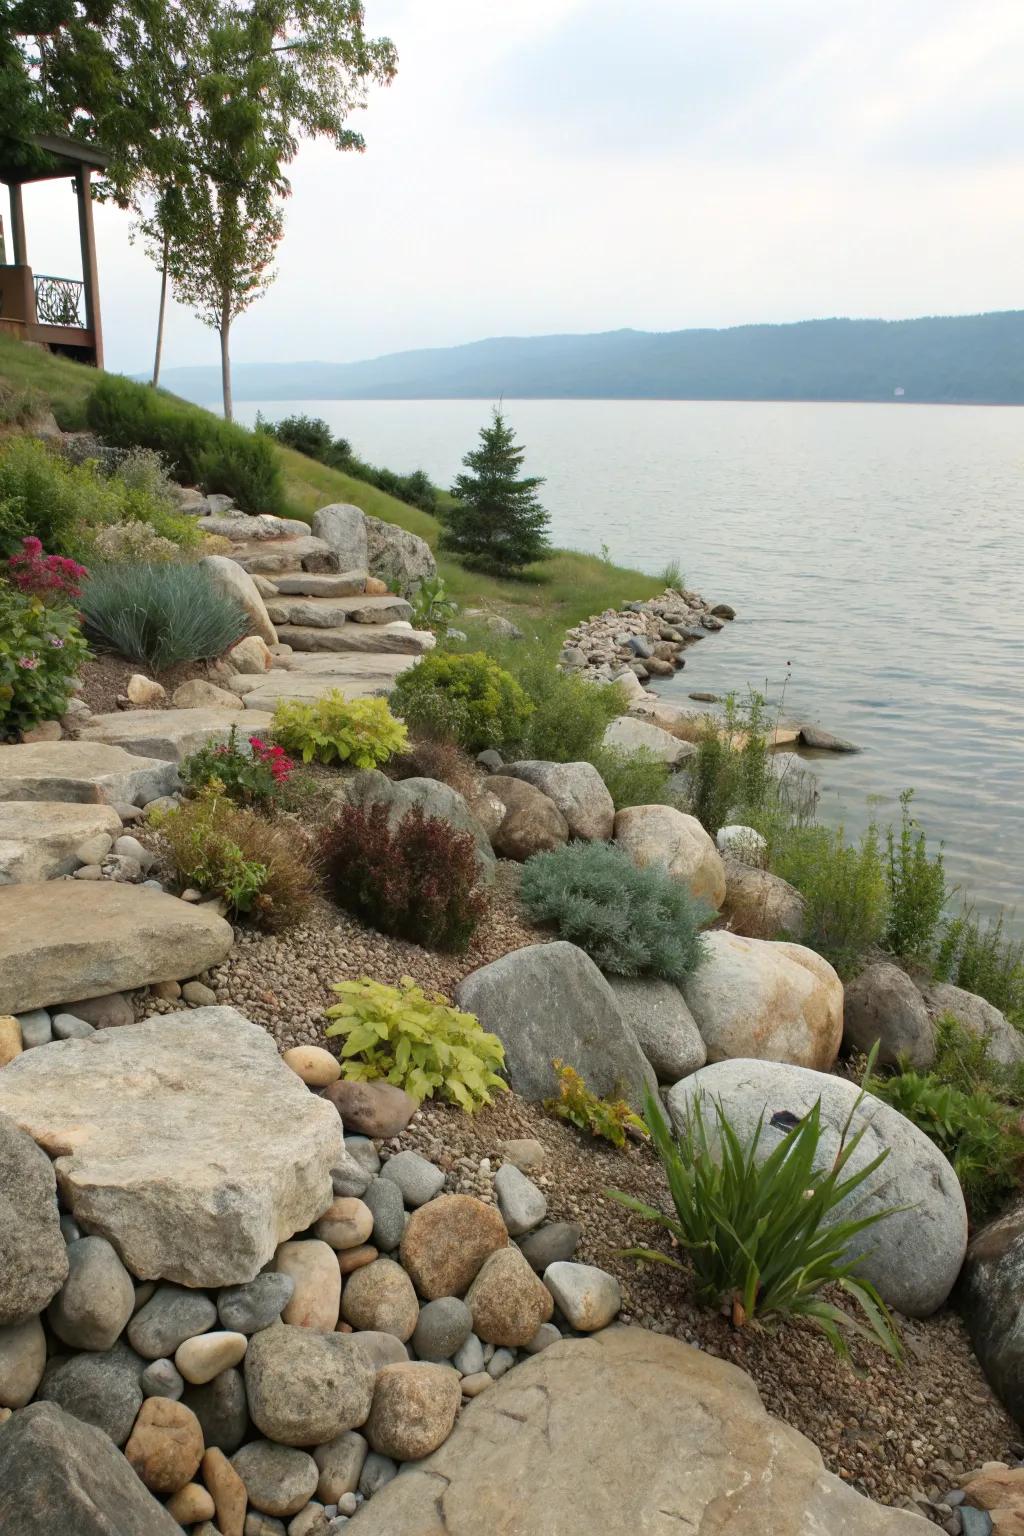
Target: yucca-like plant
{"points": [[759, 1232], [160, 615]]}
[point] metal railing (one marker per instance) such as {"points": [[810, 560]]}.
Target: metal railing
{"points": [[59, 301]]}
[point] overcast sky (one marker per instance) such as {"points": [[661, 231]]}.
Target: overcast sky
{"points": [[581, 165]]}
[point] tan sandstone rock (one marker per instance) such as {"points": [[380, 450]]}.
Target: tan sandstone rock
{"points": [[313, 1064], [317, 1295], [659, 834], [414, 1409], [230, 578], [447, 1240], [166, 1445]]}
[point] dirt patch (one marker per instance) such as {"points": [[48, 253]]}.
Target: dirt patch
{"points": [[105, 681]]}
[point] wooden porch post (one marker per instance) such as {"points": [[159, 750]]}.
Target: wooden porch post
{"points": [[19, 251], [90, 275]]}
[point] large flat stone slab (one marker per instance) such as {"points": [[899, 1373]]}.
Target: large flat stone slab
{"points": [[310, 584], [267, 557], [66, 940], [627, 1431], [356, 676], [38, 838], [184, 1140], [332, 612], [86, 772], [171, 734], [357, 637]]}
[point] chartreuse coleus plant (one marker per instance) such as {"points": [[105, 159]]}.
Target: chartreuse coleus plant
{"points": [[360, 732], [417, 1041]]}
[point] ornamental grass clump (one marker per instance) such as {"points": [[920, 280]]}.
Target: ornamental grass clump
{"points": [[761, 1233], [418, 879], [362, 733], [464, 698], [160, 615], [417, 1041], [632, 922]]}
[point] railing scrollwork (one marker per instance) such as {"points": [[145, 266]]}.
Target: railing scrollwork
{"points": [[59, 301]]}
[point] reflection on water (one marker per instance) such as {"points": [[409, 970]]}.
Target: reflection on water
{"points": [[873, 554]]}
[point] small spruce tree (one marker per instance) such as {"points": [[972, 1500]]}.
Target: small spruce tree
{"points": [[497, 524]]}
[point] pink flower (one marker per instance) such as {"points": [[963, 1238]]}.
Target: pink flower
{"points": [[29, 663]]}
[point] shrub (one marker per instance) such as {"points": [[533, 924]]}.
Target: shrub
{"points": [[917, 888], [760, 1234], [417, 880], [633, 778], [673, 576], [160, 615], [965, 1061], [132, 544], [200, 447], [417, 1041], [466, 698], [362, 732], [845, 891], [143, 469], [41, 649], [311, 435], [979, 1133], [632, 922], [609, 1119], [254, 774], [441, 760], [568, 717], [982, 959], [262, 869], [54, 578], [731, 773]]}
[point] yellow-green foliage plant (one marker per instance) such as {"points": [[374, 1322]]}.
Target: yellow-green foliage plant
{"points": [[417, 1041], [610, 1119], [363, 733]]}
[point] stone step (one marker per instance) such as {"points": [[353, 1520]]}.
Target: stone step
{"points": [[38, 838], [65, 940], [241, 528], [171, 734], [377, 639], [309, 584], [83, 772], [268, 557], [356, 676], [331, 612]]}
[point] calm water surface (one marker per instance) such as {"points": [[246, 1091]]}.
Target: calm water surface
{"points": [[873, 554]]}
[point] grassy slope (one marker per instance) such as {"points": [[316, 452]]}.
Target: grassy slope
{"points": [[570, 586]]}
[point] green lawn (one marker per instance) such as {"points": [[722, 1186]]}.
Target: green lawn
{"points": [[561, 591]]}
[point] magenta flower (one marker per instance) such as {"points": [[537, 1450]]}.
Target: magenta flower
{"points": [[30, 663]]}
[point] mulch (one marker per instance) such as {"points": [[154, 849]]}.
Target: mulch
{"points": [[105, 681]]}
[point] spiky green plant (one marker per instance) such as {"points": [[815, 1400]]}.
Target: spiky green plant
{"points": [[160, 615]]}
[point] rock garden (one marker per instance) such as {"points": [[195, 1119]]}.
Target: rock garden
{"points": [[445, 1088]]}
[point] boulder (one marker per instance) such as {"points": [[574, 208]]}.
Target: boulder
{"points": [[578, 791], [776, 1002], [39, 838], [344, 584], [532, 822], [33, 1258], [657, 1014], [414, 1408], [977, 1017], [992, 1304], [659, 834], [184, 1140], [62, 1477], [171, 734], [97, 1298], [682, 1441], [63, 939], [507, 1301], [817, 740], [914, 1256], [550, 1001], [883, 1005], [402, 559], [379, 640], [374, 1109], [629, 734], [684, 725], [23, 1360], [304, 1387], [760, 905], [83, 772], [102, 1387], [197, 693], [431, 796], [343, 528], [229, 576], [447, 1240], [744, 843]]}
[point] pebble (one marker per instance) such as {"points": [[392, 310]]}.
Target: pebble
{"points": [[417, 1180], [262, 1525], [198, 994], [557, 1242], [317, 1295], [473, 1385], [169, 991], [346, 1223], [348, 1504], [161, 1378], [380, 1296], [128, 847], [350, 1177], [96, 1300], [520, 1202], [165, 1446], [975, 1522], [354, 1258], [340, 1463], [470, 1358], [364, 1152], [191, 1504], [222, 1408], [67, 1027], [202, 1358], [172, 1315], [442, 1329], [310, 1521], [384, 1199], [377, 1471], [523, 1152], [546, 1334], [279, 1479], [255, 1305], [228, 1489], [111, 1011], [316, 1066], [89, 872], [36, 1028], [10, 1038], [70, 1231], [588, 1297], [22, 1361]]}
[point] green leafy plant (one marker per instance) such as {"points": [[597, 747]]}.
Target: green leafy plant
{"points": [[418, 879], [312, 436], [333, 729], [263, 870], [160, 615], [255, 773], [845, 891], [965, 1061], [632, 922], [608, 1119], [981, 958], [417, 1041], [432, 608], [568, 716], [466, 698], [760, 1232], [917, 888], [633, 778], [672, 575], [731, 774], [41, 649]]}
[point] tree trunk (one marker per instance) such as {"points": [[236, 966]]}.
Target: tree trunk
{"points": [[225, 358], [160, 323]]}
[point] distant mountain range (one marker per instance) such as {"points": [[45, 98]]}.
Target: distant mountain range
{"points": [[978, 359]]}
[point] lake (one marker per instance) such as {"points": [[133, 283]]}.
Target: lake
{"points": [[873, 554]]}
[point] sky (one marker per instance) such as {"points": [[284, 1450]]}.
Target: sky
{"points": [[584, 165]]}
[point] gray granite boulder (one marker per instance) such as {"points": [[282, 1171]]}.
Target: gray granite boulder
{"points": [[401, 559], [992, 1303], [33, 1257], [656, 1012], [977, 1017], [343, 528], [883, 1005], [579, 792]]}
